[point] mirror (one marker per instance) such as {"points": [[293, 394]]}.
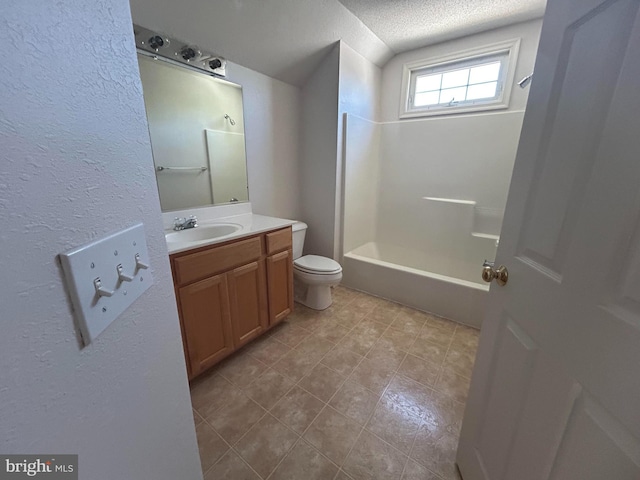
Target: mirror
{"points": [[196, 126]]}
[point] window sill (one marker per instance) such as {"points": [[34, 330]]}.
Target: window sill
{"points": [[454, 110]]}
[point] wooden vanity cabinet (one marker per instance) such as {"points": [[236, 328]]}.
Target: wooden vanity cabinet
{"points": [[230, 293]]}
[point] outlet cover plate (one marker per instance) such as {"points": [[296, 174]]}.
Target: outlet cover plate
{"points": [[100, 259]]}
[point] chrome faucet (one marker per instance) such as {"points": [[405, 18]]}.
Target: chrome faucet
{"points": [[184, 223]]}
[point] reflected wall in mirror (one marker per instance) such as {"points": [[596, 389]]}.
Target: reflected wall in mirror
{"points": [[196, 126]]}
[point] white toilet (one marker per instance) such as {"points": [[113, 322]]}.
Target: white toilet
{"points": [[313, 275]]}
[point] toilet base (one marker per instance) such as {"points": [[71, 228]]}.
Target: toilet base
{"points": [[316, 297]]}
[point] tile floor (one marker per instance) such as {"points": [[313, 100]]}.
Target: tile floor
{"points": [[366, 389]]}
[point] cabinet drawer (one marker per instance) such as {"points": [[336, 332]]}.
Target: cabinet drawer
{"points": [[278, 241], [196, 266]]}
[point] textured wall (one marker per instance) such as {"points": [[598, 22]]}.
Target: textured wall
{"points": [[75, 165]]}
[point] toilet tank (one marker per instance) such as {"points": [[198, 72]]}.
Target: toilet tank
{"points": [[299, 231]]}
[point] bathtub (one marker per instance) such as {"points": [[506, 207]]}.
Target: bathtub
{"points": [[418, 279]]}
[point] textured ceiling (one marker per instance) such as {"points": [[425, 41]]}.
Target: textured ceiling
{"points": [[287, 39], [407, 24]]}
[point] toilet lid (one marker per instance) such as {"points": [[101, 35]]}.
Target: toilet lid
{"points": [[316, 263]]}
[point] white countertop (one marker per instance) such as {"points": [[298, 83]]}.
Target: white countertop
{"points": [[249, 223]]}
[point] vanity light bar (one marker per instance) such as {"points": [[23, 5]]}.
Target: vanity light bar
{"points": [[157, 45]]}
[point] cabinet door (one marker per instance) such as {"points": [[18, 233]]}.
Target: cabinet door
{"points": [[280, 285], [205, 314], [247, 294]]}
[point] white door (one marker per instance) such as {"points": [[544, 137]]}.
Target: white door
{"points": [[555, 392]]}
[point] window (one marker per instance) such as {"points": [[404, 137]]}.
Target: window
{"points": [[471, 81]]}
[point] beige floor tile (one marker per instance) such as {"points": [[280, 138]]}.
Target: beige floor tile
{"points": [[231, 467], [443, 415], [355, 402], [241, 369], [466, 336], [315, 346], [331, 331], [333, 434], [373, 375], [350, 315], [212, 392], [409, 395], [342, 476], [197, 419], [366, 302], [359, 343], [441, 323], [371, 458], [382, 353], [419, 370], [460, 359], [297, 409], [452, 384], [406, 377], [408, 323], [385, 313], [398, 340], [429, 351], [267, 349], [267, 389], [303, 317], [341, 360], [438, 454], [322, 382], [305, 463], [296, 364], [266, 444], [235, 419], [436, 335], [414, 471], [369, 327], [290, 334], [394, 425], [210, 445]]}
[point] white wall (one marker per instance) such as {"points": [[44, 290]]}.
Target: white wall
{"points": [[529, 32], [76, 165], [318, 155], [272, 118], [359, 94]]}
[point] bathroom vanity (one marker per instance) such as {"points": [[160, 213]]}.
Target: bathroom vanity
{"points": [[232, 270], [230, 292]]}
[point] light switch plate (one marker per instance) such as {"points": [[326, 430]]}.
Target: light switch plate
{"points": [[95, 310]]}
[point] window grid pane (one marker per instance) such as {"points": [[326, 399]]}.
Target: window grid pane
{"points": [[455, 78], [451, 87], [484, 73], [427, 83]]}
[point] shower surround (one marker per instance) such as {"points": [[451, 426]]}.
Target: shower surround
{"points": [[423, 204]]}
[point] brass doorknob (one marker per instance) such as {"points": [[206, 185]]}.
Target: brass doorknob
{"points": [[501, 274]]}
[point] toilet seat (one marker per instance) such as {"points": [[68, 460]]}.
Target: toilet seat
{"points": [[317, 265]]}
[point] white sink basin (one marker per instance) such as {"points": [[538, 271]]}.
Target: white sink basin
{"points": [[202, 233]]}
